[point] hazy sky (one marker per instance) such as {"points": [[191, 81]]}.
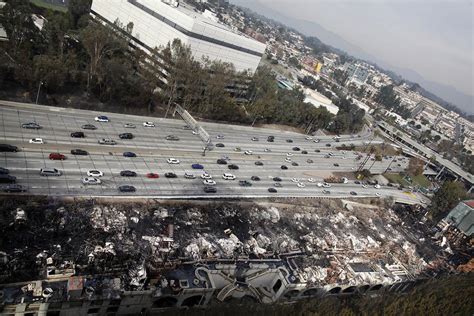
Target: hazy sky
{"points": [[433, 38]]}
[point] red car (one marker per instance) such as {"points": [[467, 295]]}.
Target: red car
{"points": [[56, 156], [152, 175]]}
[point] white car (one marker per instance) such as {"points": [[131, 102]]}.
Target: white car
{"points": [[129, 125], [91, 180], [189, 175], [364, 186], [295, 180], [148, 124], [194, 132], [95, 173], [206, 176], [228, 176], [36, 141], [267, 150], [220, 136], [319, 184], [345, 180], [289, 154], [377, 194], [101, 118], [326, 185], [248, 152], [209, 182], [317, 140], [300, 185], [288, 159], [377, 186], [308, 138], [311, 180], [173, 161]]}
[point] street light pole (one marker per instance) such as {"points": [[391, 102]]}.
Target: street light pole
{"points": [[37, 94]]}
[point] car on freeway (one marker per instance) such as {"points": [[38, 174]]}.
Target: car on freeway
{"points": [[8, 148], [309, 161], [36, 141], [254, 139], [220, 136], [255, 178], [206, 175], [172, 161], [78, 134], [225, 158], [194, 132], [267, 150], [283, 167], [228, 176], [377, 194], [271, 139], [258, 163], [311, 180], [187, 127], [353, 193], [294, 164], [89, 127], [148, 124], [4, 170], [127, 188], [197, 166], [326, 192], [277, 184], [210, 189], [126, 136], [129, 154], [326, 185], [172, 137], [317, 150], [45, 172], [208, 182], [287, 159], [327, 156], [245, 183], [300, 185], [6, 178], [289, 154], [365, 186], [91, 180], [328, 145], [276, 179], [31, 125], [336, 165], [101, 118], [272, 190], [296, 149], [170, 175], [237, 149], [233, 167], [248, 152], [57, 156], [377, 186], [128, 173], [221, 162], [295, 180], [107, 141], [308, 138], [189, 175], [289, 140], [304, 152], [14, 188], [152, 175], [317, 140], [357, 182], [79, 152], [220, 145], [95, 173], [129, 125]]}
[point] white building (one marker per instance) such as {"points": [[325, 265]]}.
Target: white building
{"points": [[156, 23]]}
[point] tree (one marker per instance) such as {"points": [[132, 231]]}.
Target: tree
{"points": [[415, 166], [436, 138], [447, 196], [78, 9]]}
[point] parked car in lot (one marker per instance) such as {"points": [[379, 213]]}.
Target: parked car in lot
{"points": [[6, 178], [107, 141], [101, 118], [129, 125], [245, 183], [14, 188], [36, 140], [78, 134], [152, 175], [127, 188], [210, 189], [126, 136], [57, 156], [80, 152], [172, 137], [31, 125], [95, 173], [197, 166], [148, 124], [172, 161], [233, 167], [129, 154], [255, 178], [170, 175], [46, 172], [209, 182], [91, 180], [128, 173], [8, 148], [258, 163], [221, 162], [4, 170], [89, 127], [228, 176], [272, 190], [220, 145]]}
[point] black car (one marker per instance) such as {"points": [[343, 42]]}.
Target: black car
{"points": [[5, 178], [128, 173], [277, 185], [88, 126], [4, 170], [221, 162], [283, 167], [353, 193], [172, 137], [8, 148], [79, 152], [289, 140], [309, 161], [126, 136], [294, 164], [210, 189], [129, 154], [255, 178], [233, 167], [14, 188], [245, 183], [272, 190], [127, 188], [277, 179], [220, 145], [336, 165], [304, 152], [78, 135], [296, 149], [317, 150], [258, 163], [328, 145], [271, 139], [170, 175], [31, 125], [357, 182]]}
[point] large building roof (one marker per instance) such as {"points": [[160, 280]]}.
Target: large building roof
{"points": [[462, 216]]}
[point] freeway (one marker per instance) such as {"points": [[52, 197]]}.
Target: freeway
{"points": [[153, 150]]}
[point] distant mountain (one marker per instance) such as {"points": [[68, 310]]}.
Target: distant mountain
{"points": [[310, 28]]}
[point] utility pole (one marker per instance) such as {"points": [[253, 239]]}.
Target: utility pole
{"points": [[39, 89]]}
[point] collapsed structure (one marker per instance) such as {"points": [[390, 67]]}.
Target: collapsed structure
{"points": [[86, 258]]}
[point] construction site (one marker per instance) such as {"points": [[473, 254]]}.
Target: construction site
{"points": [[83, 257]]}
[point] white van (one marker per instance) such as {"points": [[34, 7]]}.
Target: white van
{"points": [[45, 172]]}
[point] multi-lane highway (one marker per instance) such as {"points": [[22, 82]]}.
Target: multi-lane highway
{"points": [[153, 150]]}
